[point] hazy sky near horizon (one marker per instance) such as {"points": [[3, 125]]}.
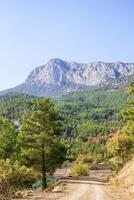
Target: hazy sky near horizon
{"points": [[34, 31]]}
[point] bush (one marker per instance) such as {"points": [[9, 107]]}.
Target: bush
{"points": [[24, 176], [97, 158], [18, 176], [116, 163], [120, 145], [80, 169], [86, 158]]}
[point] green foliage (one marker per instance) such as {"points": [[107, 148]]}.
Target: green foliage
{"points": [[86, 158], [16, 175], [120, 145], [80, 169], [97, 104], [129, 113], [84, 120], [13, 105], [8, 136], [116, 163], [91, 113], [39, 143]]}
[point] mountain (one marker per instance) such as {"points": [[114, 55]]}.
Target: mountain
{"points": [[59, 77]]}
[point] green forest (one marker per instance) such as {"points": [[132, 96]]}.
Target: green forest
{"points": [[86, 128]]}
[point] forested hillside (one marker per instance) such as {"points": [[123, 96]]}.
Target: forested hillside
{"points": [[14, 105], [85, 114], [96, 105], [85, 127], [90, 116]]}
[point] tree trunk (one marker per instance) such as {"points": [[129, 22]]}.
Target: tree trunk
{"points": [[44, 179]]}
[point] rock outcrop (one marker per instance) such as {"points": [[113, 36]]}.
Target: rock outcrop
{"points": [[58, 77]]}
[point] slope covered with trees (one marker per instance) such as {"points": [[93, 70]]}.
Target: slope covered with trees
{"points": [[90, 116], [33, 152], [79, 127], [14, 105], [86, 115], [121, 145]]}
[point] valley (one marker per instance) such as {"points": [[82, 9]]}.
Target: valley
{"points": [[83, 132], [66, 100]]}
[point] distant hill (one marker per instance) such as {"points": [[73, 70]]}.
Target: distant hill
{"points": [[14, 105], [5, 98], [95, 112], [59, 77]]}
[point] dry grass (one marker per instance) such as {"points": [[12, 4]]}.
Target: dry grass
{"points": [[124, 181], [4, 189]]}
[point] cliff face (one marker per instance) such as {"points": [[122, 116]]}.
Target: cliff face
{"points": [[58, 77]]}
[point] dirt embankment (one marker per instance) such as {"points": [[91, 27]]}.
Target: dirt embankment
{"points": [[126, 178], [123, 183]]}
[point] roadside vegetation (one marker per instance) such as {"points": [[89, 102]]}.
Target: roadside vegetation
{"points": [[88, 129]]}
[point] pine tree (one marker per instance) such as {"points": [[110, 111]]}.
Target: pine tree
{"points": [[8, 136], [129, 113], [39, 141]]}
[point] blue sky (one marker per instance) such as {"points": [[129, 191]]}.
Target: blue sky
{"points": [[34, 31]]}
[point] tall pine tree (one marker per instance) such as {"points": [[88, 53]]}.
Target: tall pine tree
{"points": [[39, 139]]}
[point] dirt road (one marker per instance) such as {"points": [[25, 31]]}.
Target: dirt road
{"points": [[80, 191], [94, 187]]}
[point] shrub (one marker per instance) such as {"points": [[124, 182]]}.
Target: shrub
{"points": [[97, 158], [120, 145], [24, 176], [80, 169], [18, 176], [116, 163], [86, 158]]}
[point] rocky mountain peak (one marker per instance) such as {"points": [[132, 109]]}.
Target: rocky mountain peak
{"points": [[58, 76], [55, 61]]}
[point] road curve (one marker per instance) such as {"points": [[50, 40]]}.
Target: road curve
{"points": [[84, 191]]}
